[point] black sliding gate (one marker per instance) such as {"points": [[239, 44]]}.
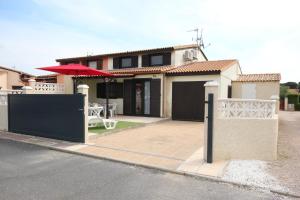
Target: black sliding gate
{"points": [[53, 116]]}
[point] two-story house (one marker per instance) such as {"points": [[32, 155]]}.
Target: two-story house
{"points": [[160, 82]]}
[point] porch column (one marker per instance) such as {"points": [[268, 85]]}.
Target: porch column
{"points": [[84, 89], [211, 87]]}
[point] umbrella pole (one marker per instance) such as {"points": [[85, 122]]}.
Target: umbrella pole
{"points": [[107, 97]]}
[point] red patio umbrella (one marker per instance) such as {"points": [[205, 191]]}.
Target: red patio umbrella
{"points": [[78, 70]]}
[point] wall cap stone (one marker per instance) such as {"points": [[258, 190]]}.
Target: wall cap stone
{"points": [[211, 84]]}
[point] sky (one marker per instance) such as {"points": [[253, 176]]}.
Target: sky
{"points": [[264, 35]]}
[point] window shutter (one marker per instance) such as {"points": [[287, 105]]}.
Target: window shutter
{"points": [[167, 58], [116, 63], [145, 61], [155, 97], [84, 62], [134, 61], [100, 64], [127, 98]]}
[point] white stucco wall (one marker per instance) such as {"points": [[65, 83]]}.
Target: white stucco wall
{"points": [[227, 76], [263, 90], [245, 139], [177, 57], [3, 118], [68, 82]]}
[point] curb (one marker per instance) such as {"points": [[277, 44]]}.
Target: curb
{"points": [[200, 177]]}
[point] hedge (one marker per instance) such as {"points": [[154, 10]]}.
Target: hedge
{"points": [[294, 99]]}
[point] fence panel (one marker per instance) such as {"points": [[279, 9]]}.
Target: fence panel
{"points": [[53, 116]]}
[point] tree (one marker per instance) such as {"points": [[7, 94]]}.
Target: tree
{"points": [[291, 85], [283, 91]]}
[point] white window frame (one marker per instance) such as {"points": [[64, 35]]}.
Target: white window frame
{"points": [[92, 64]]}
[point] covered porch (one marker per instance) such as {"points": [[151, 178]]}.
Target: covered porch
{"points": [[130, 95]]}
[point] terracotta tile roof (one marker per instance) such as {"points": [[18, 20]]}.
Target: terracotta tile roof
{"points": [[143, 70], [187, 46], [170, 48], [115, 76], [258, 77], [204, 66]]}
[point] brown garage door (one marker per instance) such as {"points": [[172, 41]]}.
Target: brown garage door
{"points": [[188, 100]]}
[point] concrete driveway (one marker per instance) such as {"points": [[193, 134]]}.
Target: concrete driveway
{"points": [[164, 144]]}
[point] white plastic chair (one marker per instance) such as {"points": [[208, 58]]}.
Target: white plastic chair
{"points": [[95, 119], [110, 123], [113, 109]]}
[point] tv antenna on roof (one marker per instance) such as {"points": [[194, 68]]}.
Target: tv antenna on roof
{"points": [[199, 39]]}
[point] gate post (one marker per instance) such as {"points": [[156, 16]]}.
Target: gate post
{"points": [[84, 89], [27, 90], [211, 95], [31, 83]]}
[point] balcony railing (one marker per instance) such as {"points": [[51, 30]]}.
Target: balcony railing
{"points": [[246, 108]]}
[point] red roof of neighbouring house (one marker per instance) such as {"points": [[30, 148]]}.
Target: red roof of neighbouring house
{"points": [[258, 77]]}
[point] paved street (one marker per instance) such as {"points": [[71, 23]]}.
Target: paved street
{"points": [[31, 172], [286, 167]]}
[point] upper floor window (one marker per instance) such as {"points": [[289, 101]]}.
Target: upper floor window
{"points": [[156, 60], [126, 62], [92, 64]]}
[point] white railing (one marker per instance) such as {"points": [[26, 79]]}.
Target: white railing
{"points": [[246, 108], [49, 88]]}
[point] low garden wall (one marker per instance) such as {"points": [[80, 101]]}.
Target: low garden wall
{"points": [[242, 128]]}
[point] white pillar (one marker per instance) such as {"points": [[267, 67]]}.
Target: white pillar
{"points": [[211, 87], [286, 102], [27, 90], [84, 89], [277, 99], [31, 83]]}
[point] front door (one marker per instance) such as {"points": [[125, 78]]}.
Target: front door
{"points": [[142, 97]]}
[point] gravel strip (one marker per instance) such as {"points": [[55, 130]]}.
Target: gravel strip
{"points": [[252, 172]]}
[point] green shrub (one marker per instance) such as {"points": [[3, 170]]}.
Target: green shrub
{"points": [[297, 107], [293, 99]]}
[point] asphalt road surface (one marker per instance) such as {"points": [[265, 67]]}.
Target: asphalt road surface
{"points": [[31, 172]]}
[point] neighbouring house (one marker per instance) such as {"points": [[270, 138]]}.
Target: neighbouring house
{"points": [[12, 79], [160, 82]]}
